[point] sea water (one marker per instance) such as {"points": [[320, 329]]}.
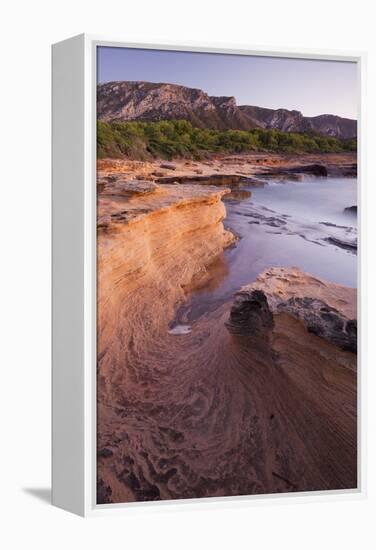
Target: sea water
{"points": [[287, 224]]}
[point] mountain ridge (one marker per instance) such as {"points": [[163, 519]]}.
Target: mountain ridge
{"points": [[149, 101]]}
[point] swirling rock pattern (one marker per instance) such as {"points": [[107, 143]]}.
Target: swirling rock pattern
{"points": [[209, 412]]}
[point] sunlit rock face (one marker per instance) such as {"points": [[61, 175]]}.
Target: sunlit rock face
{"points": [[201, 410]]}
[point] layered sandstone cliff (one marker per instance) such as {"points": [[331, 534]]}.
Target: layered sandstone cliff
{"points": [[209, 411], [153, 246]]}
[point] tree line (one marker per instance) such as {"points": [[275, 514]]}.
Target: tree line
{"points": [[178, 138]]}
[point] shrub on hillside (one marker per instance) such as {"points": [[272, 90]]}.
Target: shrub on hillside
{"points": [[178, 138]]}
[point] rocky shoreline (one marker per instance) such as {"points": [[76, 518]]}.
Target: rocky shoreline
{"points": [[234, 170], [259, 395], [325, 309]]}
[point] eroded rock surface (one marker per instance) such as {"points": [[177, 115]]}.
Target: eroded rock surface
{"points": [[206, 412], [311, 169], [214, 179], [119, 187], [323, 320], [326, 310], [250, 314]]}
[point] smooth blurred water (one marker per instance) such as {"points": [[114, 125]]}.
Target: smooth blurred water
{"points": [[313, 199], [308, 212]]}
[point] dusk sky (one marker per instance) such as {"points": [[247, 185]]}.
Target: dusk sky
{"points": [[312, 87]]}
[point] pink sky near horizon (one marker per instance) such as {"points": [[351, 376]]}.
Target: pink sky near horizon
{"points": [[313, 87]]}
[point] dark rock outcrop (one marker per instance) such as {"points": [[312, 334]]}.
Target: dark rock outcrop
{"points": [[310, 169], [237, 195], [149, 101], [350, 245], [250, 314], [213, 179], [351, 210], [313, 169], [346, 169], [323, 320]]}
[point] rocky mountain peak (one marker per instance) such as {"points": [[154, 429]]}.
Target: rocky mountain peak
{"points": [[150, 101]]}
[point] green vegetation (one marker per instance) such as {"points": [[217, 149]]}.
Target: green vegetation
{"points": [[178, 138]]}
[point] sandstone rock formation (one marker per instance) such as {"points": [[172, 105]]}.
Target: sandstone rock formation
{"points": [[234, 170], [281, 284], [250, 314], [213, 179], [319, 305], [117, 186], [312, 169], [204, 411]]}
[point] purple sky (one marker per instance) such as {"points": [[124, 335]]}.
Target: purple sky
{"points": [[313, 87]]}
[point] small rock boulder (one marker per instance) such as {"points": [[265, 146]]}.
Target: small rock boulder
{"points": [[324, 321], [250, 314], [351, 210]]}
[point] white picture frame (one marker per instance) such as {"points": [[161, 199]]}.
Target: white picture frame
{"points": [[74, 279]]}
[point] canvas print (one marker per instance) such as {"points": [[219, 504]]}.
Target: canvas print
{"points": [[226, 275]]}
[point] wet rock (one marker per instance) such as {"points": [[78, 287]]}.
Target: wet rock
{"points": [[237, 195], [213, 179], [294, 172], [330, 224], [313, 169], [271, 221], [350, 245], [345, 170], [350, 170], [323, 320], [250, 314], [326, 310], [129, 188]]}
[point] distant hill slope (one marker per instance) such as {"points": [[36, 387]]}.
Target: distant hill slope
{"points": [[147, 101]]}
